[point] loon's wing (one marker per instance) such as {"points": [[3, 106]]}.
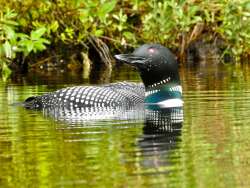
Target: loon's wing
{"points": [[133, 92], [112, 95]]}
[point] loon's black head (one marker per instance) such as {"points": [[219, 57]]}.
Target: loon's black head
{"points": [[156, 64]]}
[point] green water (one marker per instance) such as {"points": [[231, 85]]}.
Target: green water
{"points": [[211, 150]]}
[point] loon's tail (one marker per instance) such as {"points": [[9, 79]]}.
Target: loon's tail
{"points": [[33, 102]]}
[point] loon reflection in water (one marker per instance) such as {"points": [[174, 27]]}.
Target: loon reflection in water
{"points": [[161, 133], [161, 129], [92, 115], [156, 118], [160, 136]]}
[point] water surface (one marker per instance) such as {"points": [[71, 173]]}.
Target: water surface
{"points": [[210, 149]]}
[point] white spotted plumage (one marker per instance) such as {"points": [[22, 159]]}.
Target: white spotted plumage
{"points": [[122, 93]]}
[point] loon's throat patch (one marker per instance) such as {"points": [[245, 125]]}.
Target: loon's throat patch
{"points": [[164, 93]]}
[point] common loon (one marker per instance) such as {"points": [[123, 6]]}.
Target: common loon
{"points": [[158, 69]]}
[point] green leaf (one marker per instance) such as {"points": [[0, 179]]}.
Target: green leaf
{"points": [[22, 36], [228, 32], [36, 35], [197, 19], [77, 3], [45, 41], [2, 53], [106, 8], [9, 14], [54, 26], [10, 32], [6, 72], [128, 35], [62, 37], [7, 49], [99, 32], [27, 45], [84, 13], [246, 14], [10, 22], [39, 47]]}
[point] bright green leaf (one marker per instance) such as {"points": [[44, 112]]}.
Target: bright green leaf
{"points": [[7, 49], [84, 14], [9, 22], [6, 72], [54, 26], [39, 47], [22, 36], [106, 8], [10, 32], [45, 41], [63, 37], [128, 35], [27, 45], [99, 32], [36, 35]]}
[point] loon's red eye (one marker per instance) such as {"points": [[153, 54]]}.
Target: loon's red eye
{"points": [[151, 50]]}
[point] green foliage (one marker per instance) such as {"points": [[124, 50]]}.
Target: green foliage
{"points": [[34, 42], [7, 35], [173, 22], [169, 20], [13, 42], [30, 26], [235, 26]]}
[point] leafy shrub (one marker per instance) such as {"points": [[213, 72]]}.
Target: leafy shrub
{"points": [[12, 42], [30, 26]]}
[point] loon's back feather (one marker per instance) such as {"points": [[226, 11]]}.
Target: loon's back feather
{"points": [[115, 94]]}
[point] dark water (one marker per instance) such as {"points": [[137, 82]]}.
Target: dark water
{"points": [[210, 149]]}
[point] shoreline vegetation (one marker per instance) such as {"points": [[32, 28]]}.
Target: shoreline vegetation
{"points": [[52, 33]]}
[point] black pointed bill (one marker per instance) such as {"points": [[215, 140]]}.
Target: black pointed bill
{"points": [[131, 59]]}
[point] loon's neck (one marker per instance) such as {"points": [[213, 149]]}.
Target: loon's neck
{"points": [[165, 92]]}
